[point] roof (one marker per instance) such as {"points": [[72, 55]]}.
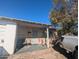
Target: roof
{"points": [[23, 20]]}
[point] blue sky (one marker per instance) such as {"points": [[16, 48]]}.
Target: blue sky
{"points": [[33, 10]]}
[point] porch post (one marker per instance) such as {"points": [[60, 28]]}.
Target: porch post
{"points": [[47, 41]]}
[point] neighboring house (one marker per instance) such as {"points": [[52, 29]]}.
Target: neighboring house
{"points": [[14, 33]]}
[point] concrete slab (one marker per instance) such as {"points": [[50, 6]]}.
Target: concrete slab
{"points": [[30, 48]]}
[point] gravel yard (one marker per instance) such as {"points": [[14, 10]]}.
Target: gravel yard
{"points": [[39, 54]]}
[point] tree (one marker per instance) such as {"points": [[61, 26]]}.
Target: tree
{"points": [[66, 15]]}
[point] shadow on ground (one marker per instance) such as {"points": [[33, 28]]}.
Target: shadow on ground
{"points": [[63, 51], [3, 57]]}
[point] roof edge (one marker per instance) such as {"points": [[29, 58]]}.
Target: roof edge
{"points": [[23, 20]]}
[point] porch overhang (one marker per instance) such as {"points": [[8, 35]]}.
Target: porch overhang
{"points": [[25, 22]]}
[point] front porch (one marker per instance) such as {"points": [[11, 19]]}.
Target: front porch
{"points": [[32, 35]]}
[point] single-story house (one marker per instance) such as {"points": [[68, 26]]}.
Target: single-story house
{"points": [[14, 33]]}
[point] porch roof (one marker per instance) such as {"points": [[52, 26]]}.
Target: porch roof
{"points": [[23, 20]]}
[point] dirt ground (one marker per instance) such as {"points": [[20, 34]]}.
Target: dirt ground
{"points": [[41, 54]]}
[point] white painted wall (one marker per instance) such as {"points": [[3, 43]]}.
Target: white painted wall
{"points": [[9, 36]]}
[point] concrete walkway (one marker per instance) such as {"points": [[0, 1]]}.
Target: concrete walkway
{"points": [[30, 48]]}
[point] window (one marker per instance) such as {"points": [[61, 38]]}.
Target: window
{"points": [[29, 34], [34, 33]]}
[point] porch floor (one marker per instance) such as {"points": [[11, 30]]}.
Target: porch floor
{"points": [[30, 48]]}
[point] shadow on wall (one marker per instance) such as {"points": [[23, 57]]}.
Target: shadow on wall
{"points": [[19, 44]]}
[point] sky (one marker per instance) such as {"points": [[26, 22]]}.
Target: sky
{"points": [[31, 10]]}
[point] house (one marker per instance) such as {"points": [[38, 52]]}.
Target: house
{"points": [[14, 33]]}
